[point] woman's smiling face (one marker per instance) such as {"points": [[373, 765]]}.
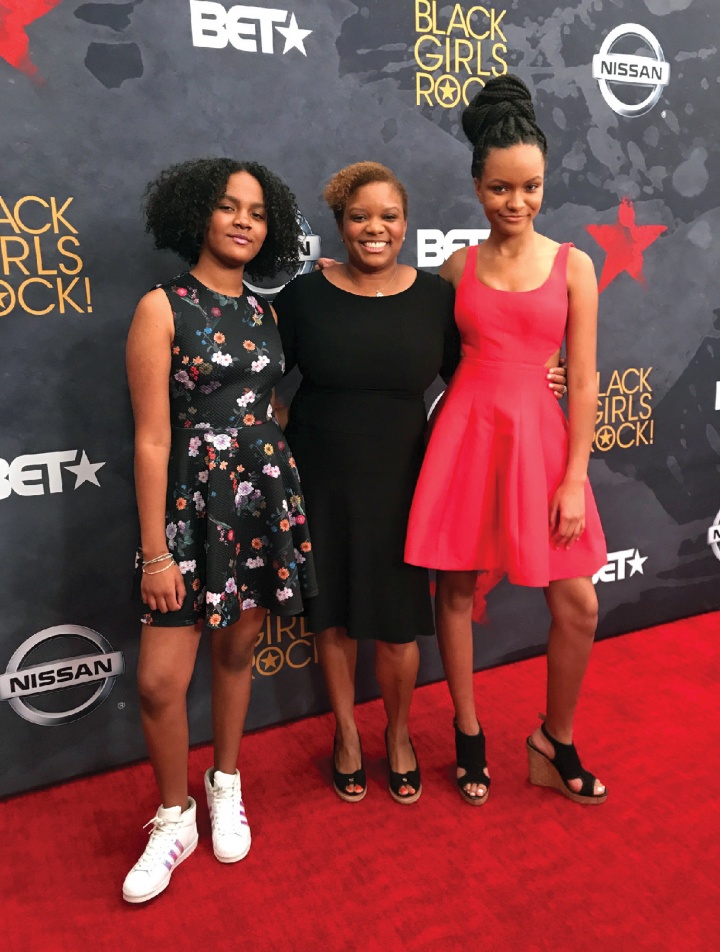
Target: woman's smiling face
{"points": [[373, 226]]}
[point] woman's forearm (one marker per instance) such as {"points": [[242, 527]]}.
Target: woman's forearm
{"points": [[151, 464], [582, 409]]}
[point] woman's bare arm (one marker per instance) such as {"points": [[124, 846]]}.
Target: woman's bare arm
{"points": [[148, 369], [567, 516]]}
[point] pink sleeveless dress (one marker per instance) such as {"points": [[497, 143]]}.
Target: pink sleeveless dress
{"points": [[498, 448]]}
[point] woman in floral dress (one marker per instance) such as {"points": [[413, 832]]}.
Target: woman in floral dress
{"points": [[223, 530]]}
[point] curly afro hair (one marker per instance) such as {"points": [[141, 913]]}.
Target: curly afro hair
{"points": [[499, 116], [180, 201], [348, 180]]}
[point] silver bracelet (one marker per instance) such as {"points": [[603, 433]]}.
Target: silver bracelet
{"points": [[159, 558], [163, 569]]}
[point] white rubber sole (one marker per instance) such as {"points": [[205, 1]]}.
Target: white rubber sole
{"points": [[233, 859], [236, 857], [165, 882]]}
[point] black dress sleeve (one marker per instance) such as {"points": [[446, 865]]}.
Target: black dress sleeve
{"points": [[285, 305], [451, 334]]}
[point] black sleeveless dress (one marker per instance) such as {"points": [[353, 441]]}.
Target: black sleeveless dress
{"points": [[357, 427], [235, 514]]}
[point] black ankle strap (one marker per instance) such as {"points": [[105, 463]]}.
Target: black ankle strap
{"points": [[470, 756], [568, 764]]}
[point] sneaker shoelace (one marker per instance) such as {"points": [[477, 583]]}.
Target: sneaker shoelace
{"points": [[162, 841], [227, 807]]}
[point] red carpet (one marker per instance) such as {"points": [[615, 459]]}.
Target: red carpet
{"points": [[527, 872]]}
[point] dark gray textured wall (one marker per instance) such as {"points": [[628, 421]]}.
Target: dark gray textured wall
{"points": [[98, 97]]}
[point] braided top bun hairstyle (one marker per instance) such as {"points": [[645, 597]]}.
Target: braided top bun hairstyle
{"points": [[499, 116]]}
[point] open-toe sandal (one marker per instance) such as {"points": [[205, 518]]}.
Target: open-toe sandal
{"points": [[341, 781], [557, 771], [470, 756], [411, 778]]}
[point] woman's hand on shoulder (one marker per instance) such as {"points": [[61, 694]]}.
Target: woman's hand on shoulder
{"points": [[557, 377], [453, 268], [322, 264]]}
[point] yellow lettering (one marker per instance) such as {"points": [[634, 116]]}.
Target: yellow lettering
{"points": [[8, 216], [281, 629], [625, 385], [10, 291], [64, 295], [470, 13], [618, 409], [619, 441], [427, 13], [499, 59], [8, 259], [615, 382], [289, 654], [461, 60], [21, 296], [457, 14], [641, 438], [57, 216], [431, 61], [69, 254], [495, 25], [480, 70], [470, 82], [39, 259], [427, 91], [19, 204]]}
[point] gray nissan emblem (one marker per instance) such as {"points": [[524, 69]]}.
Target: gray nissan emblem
{"points": [[646, 72], [100, 666]]}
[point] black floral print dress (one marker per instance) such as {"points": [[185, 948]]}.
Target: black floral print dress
{"points": [[235, 520]]}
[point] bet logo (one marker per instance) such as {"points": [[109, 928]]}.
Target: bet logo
{"points": [[249, 29]]}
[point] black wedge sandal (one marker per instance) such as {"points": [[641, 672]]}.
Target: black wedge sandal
{"points": [[411, 778], [341, 781], [470, 756], [555, 772]]}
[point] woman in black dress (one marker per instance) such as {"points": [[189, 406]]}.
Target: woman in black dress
{"points": [[369, 336]]}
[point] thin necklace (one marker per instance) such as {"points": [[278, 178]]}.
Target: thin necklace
{"points": [[383, 288]]}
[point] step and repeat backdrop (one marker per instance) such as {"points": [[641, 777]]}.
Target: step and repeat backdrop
{"points": [[97, 97]]}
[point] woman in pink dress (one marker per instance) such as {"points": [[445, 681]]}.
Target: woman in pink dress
{"points": [[503, 487]]}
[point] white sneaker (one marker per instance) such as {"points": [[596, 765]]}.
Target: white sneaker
{"points": [[230, 829], [173, 838]]}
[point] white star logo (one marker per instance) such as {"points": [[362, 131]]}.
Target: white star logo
{"points": [[636, 563], [294, 36], [85, 471]]}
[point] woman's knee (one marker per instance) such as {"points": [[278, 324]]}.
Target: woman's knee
{"points": [[160, 689], [579, 608], [393, 653], [455, 592], [233, 650]]}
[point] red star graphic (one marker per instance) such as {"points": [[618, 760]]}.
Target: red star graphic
{"points": [[624, 244], [15, 15]]}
